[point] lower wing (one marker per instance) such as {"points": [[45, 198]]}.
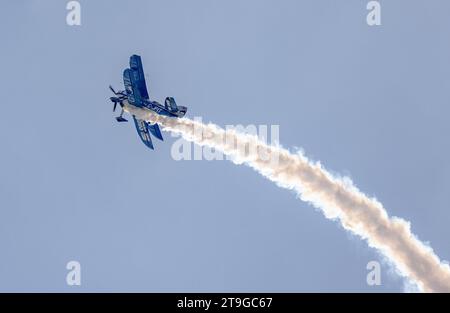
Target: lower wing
{"points": [[143, 131]]}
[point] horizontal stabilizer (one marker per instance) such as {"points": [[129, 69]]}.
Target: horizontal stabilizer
{"points": [[155, 131]]}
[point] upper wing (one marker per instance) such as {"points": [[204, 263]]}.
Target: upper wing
{"points": [[138, 75], [134, 81], [132, 92], [142, 129]]}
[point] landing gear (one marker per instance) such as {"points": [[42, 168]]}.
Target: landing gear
{"points": [[120, 118]]}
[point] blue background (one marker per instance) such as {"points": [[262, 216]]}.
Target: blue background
{"points": [[369, 102]]}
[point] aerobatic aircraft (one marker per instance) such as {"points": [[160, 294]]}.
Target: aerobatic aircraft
{"points": [[136, 94]]}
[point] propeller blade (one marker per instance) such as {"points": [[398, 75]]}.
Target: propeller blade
{"points": [[115, 104], [112, 89]]}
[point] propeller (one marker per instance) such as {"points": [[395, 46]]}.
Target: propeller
{"points": [[116, 100], [121, 96], [112, 89]]}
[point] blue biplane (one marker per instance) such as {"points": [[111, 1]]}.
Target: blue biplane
{"points": [[136, 94]]}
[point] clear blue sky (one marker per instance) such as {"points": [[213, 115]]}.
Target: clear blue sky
{"points": [[369, 102]]}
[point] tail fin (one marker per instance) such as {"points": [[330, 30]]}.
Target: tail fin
{"points": [[170, 104]]}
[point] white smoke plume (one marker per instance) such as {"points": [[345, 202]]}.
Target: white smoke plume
{"points": [[336, 197]]}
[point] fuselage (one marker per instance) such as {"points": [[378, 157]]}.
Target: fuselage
{"points": [[156, 107]]}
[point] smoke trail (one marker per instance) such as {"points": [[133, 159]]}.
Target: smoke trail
{"points": [[336, 197]]}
